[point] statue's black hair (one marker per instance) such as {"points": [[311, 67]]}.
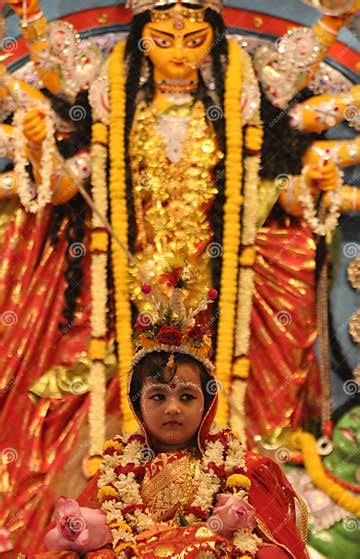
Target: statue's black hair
{"points": [[74, 211]]}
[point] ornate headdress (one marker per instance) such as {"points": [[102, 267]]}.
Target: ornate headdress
{"points": [[139, 6], [170, 327]]}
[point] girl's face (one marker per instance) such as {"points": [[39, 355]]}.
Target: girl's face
{"points": [[172, 412], [177, 53]]}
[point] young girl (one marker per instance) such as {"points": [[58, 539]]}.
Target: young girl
{"points": [[180, 487]]}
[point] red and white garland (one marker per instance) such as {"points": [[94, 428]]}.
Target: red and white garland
{"points": [[119, 488]]}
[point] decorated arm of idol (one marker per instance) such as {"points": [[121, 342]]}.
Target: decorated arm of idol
{"points": [[53, 48], [35, 34], [66, 174], [287, 67], [324, 111], [321, 173]]}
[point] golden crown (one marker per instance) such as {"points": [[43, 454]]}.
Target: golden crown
{"points": [[171, 327], [139, 6]]}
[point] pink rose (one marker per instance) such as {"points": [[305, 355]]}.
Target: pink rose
{"points": [[77, 528], [5, 542], [232, 513]]}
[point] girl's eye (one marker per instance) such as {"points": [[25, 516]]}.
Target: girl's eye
{"points": [[162, 43], [193, 43], [161, 397], [158, 397], [187, 397]]}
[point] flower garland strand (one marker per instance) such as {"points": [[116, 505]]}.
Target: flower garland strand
{"points": [[99, 293], [231, 235], [120, 496], [253, 142], [307, 203], [314, 467], [44, 193], [119, 223]]}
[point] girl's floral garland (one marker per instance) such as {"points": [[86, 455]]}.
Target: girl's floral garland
{"points": [[44, 193], [120, 497], [231, 235], [119, 223], [314, 467]]}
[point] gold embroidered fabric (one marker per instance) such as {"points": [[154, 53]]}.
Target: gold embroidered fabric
{"points": [[170, 482], [172, 199]]}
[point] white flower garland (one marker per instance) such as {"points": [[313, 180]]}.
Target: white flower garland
{"points": [[97, 407], [99, 295], [307, 202], [237, 422], [128, 488], [247, 541], [44, 193], [235, 456]]}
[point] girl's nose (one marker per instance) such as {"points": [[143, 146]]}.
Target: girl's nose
{"points": [[173, 407]]}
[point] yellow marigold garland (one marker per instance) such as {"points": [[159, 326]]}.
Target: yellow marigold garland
{"points": [[231, 236], [119, 223], [314, 467], [254, 138], [99, 133], [241, 367], [248, 256], [99, 241], [97, 349]]}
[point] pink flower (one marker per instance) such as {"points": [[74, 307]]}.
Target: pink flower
{"points": [[5, 542], [77, 528], [232, 513]]}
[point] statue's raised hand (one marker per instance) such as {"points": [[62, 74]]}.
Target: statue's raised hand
{"points": [[34, 126], [32, 6], [324, 176]]}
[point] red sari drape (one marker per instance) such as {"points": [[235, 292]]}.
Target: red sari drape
{"points": [[36, 437], [283, 388]]}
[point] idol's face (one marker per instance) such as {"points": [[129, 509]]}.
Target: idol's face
{"points": [[172, 412], [177, 53]]}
